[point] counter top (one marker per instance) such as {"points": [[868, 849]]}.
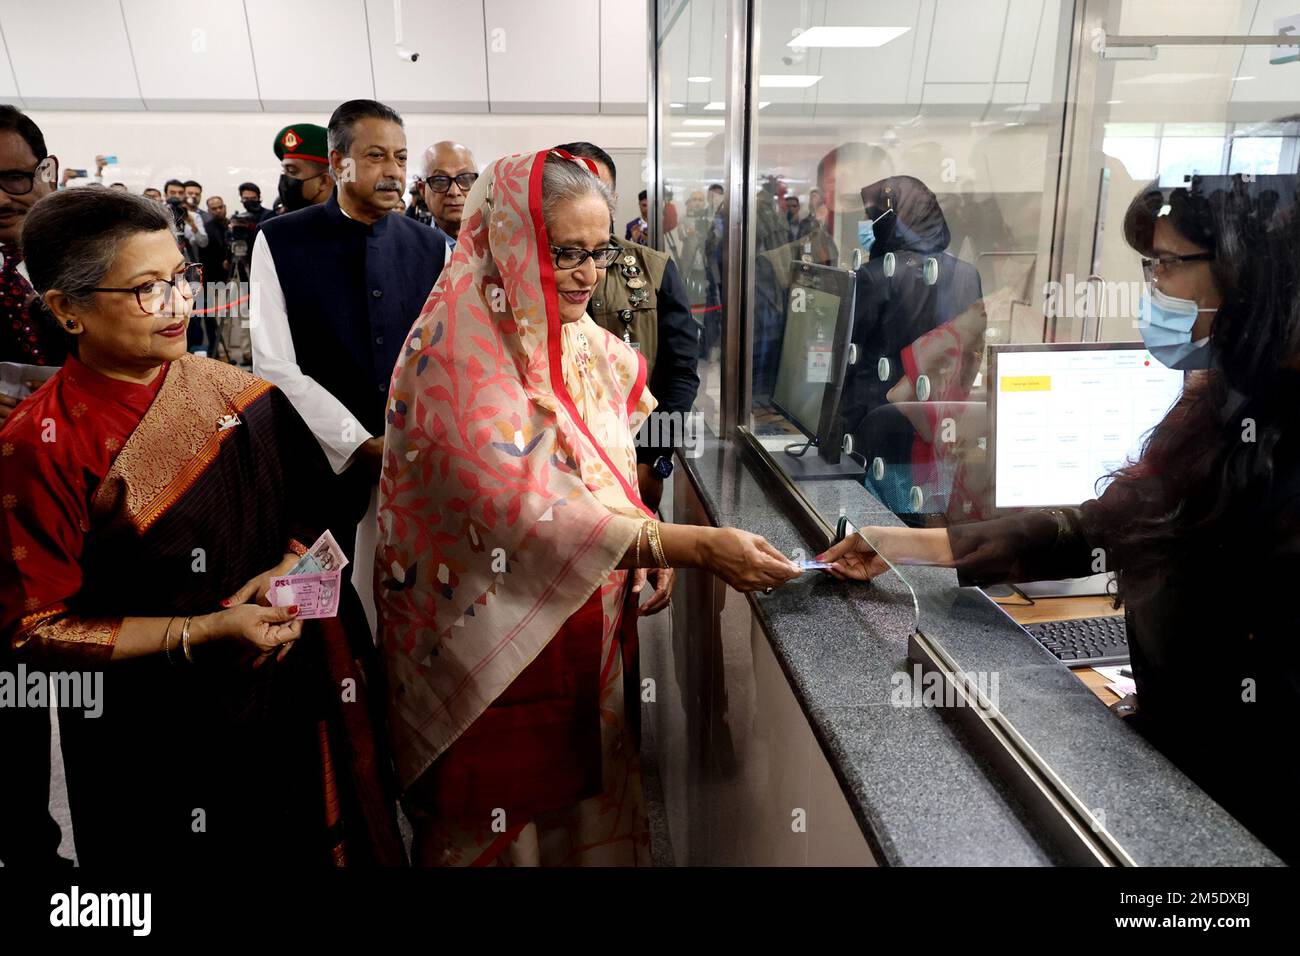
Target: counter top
{"points": [[914, 779]]}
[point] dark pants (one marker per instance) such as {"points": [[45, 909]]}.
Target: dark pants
{"points": [[28, 834]]}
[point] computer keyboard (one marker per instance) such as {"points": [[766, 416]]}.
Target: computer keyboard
{"points": [[1086, 642]]}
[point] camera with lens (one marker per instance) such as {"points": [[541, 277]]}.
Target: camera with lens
{"points": [[179, 210], [242, 226]]}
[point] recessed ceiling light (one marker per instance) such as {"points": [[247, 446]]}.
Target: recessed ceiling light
{"points": [[797, 81], [704, 122], [678, 106], [847, 36], [699, 79], [1241, 79], [715, 105], [762, 104]]}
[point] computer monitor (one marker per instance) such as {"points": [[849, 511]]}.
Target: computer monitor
{"points": [[814, 360], [1063, 416]]}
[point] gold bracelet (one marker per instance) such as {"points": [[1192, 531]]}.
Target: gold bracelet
{"points": [[639, 528], [185, 639], [167, 641], [656, 544]]}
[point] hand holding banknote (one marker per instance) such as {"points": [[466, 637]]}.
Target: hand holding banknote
{"points": [[266, 629]]}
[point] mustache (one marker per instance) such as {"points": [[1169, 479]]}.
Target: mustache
{"points": [[389, 184]]}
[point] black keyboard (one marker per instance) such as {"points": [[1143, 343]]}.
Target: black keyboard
{"points": [[1086, 642]]}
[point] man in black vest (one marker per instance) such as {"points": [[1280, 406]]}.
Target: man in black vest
{"points": [[336, 288]]}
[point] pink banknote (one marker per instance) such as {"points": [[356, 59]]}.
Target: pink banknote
{"points": [[317, 595]]}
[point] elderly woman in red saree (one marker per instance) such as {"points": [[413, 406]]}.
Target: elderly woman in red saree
{"points": [[510, 529], [148, 497]]}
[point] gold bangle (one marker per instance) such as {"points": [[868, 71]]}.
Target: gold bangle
{"points": [[639, 529], [185, 639], [167, 641], [656, 544]]}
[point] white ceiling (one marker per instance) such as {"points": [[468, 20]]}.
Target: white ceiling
{"points": [[493, 56]]}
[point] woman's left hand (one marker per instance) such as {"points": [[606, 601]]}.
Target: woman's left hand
{"points": [[258, 589], [663, 595]]}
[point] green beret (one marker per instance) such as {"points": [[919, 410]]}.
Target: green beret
{"points": [[302, 141]]}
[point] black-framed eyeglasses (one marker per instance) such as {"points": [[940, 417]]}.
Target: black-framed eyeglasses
{"points": [[20, 182], [440, 184], [1165, 264], [571, 257], [155, 296]]}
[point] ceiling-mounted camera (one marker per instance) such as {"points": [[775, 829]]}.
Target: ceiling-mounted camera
{"points": [[407, 54], [797, 54]]}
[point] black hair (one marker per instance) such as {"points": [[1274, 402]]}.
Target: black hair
{"points": [[716, 188], [1197, 481], [250, 187], [642, 195], [191, 182], [339, 131], [14, 120], [170, 183], [592, 151]]}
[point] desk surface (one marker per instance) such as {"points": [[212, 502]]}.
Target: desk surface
{"points": [[1065, 609]]}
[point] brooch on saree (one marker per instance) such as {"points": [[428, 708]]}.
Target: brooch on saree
{"points": [[227, 421]]}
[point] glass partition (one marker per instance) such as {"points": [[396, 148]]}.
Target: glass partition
{"points": [[978, 252], [692, 129], [905, 179]]}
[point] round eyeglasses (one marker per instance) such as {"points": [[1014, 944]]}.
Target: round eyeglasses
{"points": [[155, 296]]}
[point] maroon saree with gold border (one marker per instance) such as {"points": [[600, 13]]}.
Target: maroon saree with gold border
{"points": [[161, 500]]}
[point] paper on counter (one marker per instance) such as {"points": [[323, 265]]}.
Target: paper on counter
{"points": [[1118, 684]]}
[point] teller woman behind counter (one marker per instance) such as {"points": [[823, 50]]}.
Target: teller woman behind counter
{"points": [[143, 491], [1204, 529]]}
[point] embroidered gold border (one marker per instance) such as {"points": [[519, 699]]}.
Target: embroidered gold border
{"points": [[199, 463], [176, 442]]}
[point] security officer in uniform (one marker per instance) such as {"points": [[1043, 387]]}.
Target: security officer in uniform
{"points": [[642, 299], [303, 153]]}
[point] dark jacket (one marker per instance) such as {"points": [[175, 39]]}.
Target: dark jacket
{"points": [[352, 292]]}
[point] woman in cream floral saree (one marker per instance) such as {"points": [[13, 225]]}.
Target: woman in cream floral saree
{"points": [[509, 519]]}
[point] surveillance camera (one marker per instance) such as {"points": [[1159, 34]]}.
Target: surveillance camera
{"points": [[407, 54]]}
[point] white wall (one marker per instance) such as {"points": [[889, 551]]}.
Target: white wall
{"points": [[221, 150]]}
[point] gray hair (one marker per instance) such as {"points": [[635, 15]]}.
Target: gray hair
{"points": [[71, 237], [564, 181]]}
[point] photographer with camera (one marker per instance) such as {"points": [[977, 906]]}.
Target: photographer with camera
{"points": [[188, 222]]}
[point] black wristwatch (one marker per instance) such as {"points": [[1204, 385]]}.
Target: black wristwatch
{"points": [[663, 467]]}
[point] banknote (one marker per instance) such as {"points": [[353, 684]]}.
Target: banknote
{"points": [[812, 565], [317, 595], [323, 556]]}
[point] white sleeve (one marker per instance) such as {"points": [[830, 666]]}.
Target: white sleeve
{"points": [[198, 234], [274, 359]]}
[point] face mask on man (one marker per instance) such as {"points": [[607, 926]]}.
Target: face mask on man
{"points": [[252, 205], [291, 193], [1166, 327]]}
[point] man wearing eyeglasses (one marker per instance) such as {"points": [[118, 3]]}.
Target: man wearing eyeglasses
{"points": [[27, 172], [449, 174]]}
